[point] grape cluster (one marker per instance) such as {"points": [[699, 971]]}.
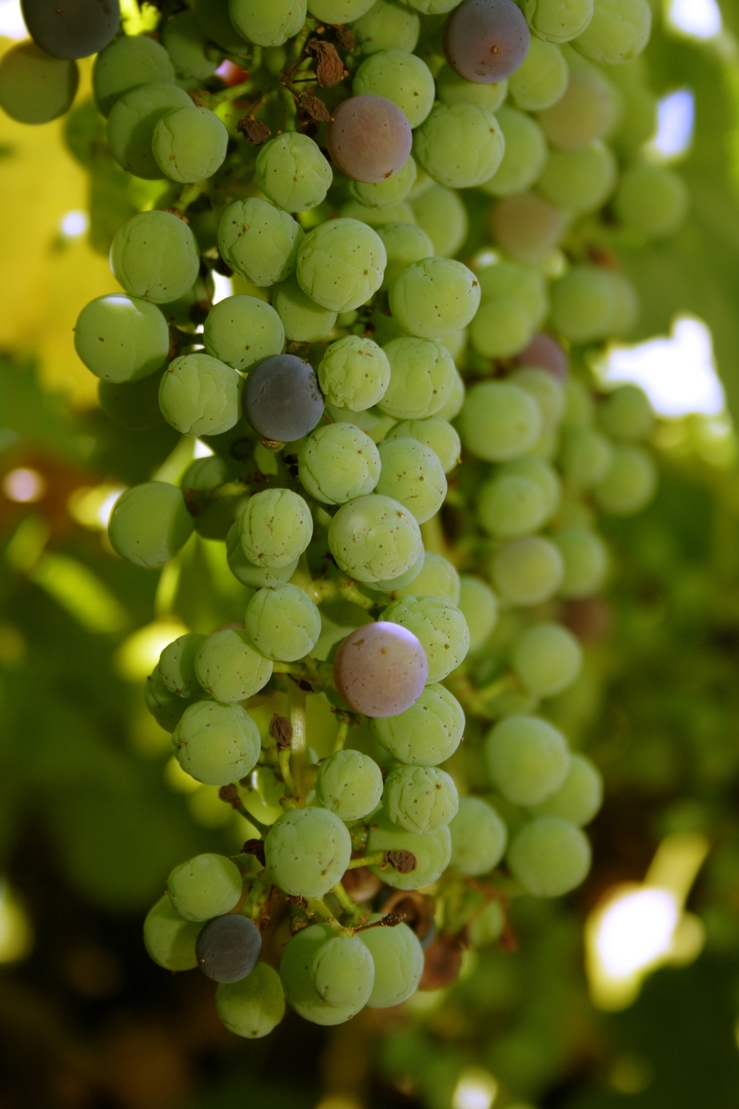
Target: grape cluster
{"points": [[357, 363]]}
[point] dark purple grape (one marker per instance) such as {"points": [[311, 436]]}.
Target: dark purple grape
{"points": [[228, 948], [369, 138], [380, 669], [486, 40], [281, 398], [545, 353], [71, 28]]}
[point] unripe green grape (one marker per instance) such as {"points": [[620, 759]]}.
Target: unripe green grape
{"points": [[406, 580], [579, 407], [585, 558], [349, 784], [629, 484], [292, 172], [542, 78], [248, 572], [547, 659], [385, 196], [216, 744], [215, 22], [526, 227], [307, 851], [132, 405], [282, 622], [442, 215], [546, 391], [405, 243], [437, 578], [579, 797], [374, 538], [479, 606], [341, 264], [398, 960], [205, 887], [528, 571], [652, 200], [488, 925], [435, 433], [199, 395], [401, 78], [618, 31], [587, 456], [168, 938], [549, 856], [259, 241], [267, 22], [459, 145], [427, 733], [434, 297], [584, 114], [420, 798], [253, 1006], [501, 328], [128, 63], [554, 21], [155, 256], [150, 523], [432, 851], [579, 180], [303, 320], [36, 87], [585, 304], [524, 157], [327, 978], [527, 758], [413, 475], [229, 668], [453, 89], [338, 463], [242, 330], [338, 11], [510, 506], [478, 838], [177, 666], [499, 421], [131, 124], [439, 626], [422, 376], [386, 26], [626, 413], [522, 284], [166, 707], [354, 372], [542, 474], [276, 527], [121, 338], [185, 43], [189, 144]]}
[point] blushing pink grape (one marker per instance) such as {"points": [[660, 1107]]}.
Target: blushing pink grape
{"points": [[369, 138], [380, 669], [486, 40]]}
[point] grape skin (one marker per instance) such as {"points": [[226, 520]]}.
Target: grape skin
{"points": [[259, 241], [579, 797], [338, 463], [434, 297], [398, 960], [128, 63], [327, 978], [293, 173], [427, 733], [307, 851], [281, 398], [420, 798], [349, 784], [228, 948], [440, 627], [34, 86], [412, 474], [150, 523], [253, 1006], [486, 40], [374, 538], [422, 377], [380, 669], [242, 330], [527, 759], [155, 256], [79, 29], [121, 338], [199, 395], [282, 622], [229, 668], [369, 137], [131, 124], [549, 856], [547, 659], [189, 144], [204, 887], [216, 744], [528, 571], [169, 938]]}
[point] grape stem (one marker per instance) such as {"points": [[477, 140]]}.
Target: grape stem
{"points": [[299, 745], [318, 907], [284, 759], [378, 859], [350, 907], [341, 736]]}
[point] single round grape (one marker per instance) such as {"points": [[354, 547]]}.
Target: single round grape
{"points": [[629, 484], [374, 538], [121, 338], [282, 622], [205, 887], [229, 668], [479, 606], [626, 413], [128, 63], [253, 1006], [420, 798], [652, 200], [442, 215], [453, 89], [542, 474], [527, 758], [431, 851], [547, 659], [166, 707], [546, 391], [132, 405], [275, 527], [524, 158], [440, 627], [398, 76], [499, 421], [587, 456], [542, 78], [549, 856], [36, 87], [478, 838], [216, 744], [168, 938], [459, 145], [427, 733], [434, 297], [501, 328], [338, 463], [242, 330], [327, 978], [590, 303], [380, 669], [585, 558], [259, 241], [338, 11], [281, 398], [579, 180], [488, 925], [150, 523], [413, 475], [155, 256], [186, 44], [250, 573], [618, 31], [292, 172], [189, 144], [131, 125], [307, 851], [486, 40], [341, 264], [354, 373], [545, 353], [437, 578], [386, 26], [526, 226], [585, 113], [228, 948], [398, 960], [422, 376], [349, 784], [76, 30], [177, 665], [510, 506], [214, 19], [199, 395], [579, 797], [528, 571], [435, 433], [383, 197], [267, 22], [368, 137], [554, 21], [521, 284], [303, 320]]}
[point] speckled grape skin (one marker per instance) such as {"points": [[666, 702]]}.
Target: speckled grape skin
{"points": [[341, 264], [427, 733], [166, 707], [282, 622], [127, 63], [281, 398], [307, 851], [177, 665], [349, 783], [398, 958], [459, 145], [150, 523], [267, 22], [199, 395], [422, 377], [206, 886], [432, 851], [248, 573], [338, 463], [229, 668], [121, 338], [374, 538], [259, 241], [527, 758], [420, 798], [168, 938], [155, 256], [380, 669], [441, 628], [435, 433], [242, 330], [276, 527], [216, 744], [189, 144], [486, 40], [478, 837], [554, 21], [437, 578], [131, 125], [369, 138], [412, 474], [292, 172], [404, 76], [327, 978], [354, 373], [434, 297]]}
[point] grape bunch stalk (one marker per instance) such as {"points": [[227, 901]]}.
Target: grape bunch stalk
{"points": [[331, 158]]}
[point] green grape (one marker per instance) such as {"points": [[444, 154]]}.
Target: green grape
{"points": [[132, 405], [155, 256], [248, 572], [166, 707], [189, 144], [302, 319], [579, 180], [413, 475], [121, 338], [349, 784], [579, 407], [259, 241], [510, 506], [522, 284], [307, 851], [229, 668], [404, 243], [339, 463], [386, 26], [549, 857], [543, 475], [652, 200], [436, 578], [327, 978], [431, 851], [422, 376], [579, 797], [587, 456], [177, 666], [547, 659], [479, 606], [435, 433], [127, 63], [150, 523], [526, 227], [440, 627], [401, 78], [434, 297], [585, 113], [554, 21], [254, 1006], [542, 79], [499, 421], [488, 925], [478, 838], [398, 960], [34, 86], [452, 406], [131, 124], [216, 744], [199, 395], [395, 586], [384, 196], [528, 571], [626, 413], [341, 264], [275, 528], [267, 22], [420, 798], [459, 145], [168, 939], [527, 758], [587, 304], [453, 89], [618, 31], [338, 11], [282, 622], [427, 733], [205, 887], [215, 23], [524, 157], [215, 516], [629, 484], [546, 390], [373, 538], [185, 43], [442, 215], [501, 328], [354, 373], [292, 172], [242, 330], [585, 558]]}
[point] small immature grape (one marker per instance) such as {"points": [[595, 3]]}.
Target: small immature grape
{"points": [[189, 144], [307, 851], [459, 145], [205, 887], [36, 87], [401, 77], [436, 578], [76, 29], [229, 668], [170, 939], [479, 606], [177, 665], [127, 63], [354, 372], [431, 852], [282, 622], [442, 215], [303, 320], [253, 1006], [545, 352], [579, 797], [150, 523], [259, 241], [527, 758], [242, 330], [154, 255], [292, 172], [499, 421], [369, 137], [199, 395], [341, 264], [327, 978], [488, 925], [547, 659], [528, 571], [585, 558], [440, 627], [375, 539], [422, 378], [216, 743], [380, 669], [478, 837], [121, 338], [281, 398], [166, 707], [228, 948], [349, 784], [629, 484], [339, 462], [275, 527], [420, 798], [412, 474], [438, 434], [434, 297], [549, 856], [398, 960], [131, 124], [427, 733], [626, 413]]}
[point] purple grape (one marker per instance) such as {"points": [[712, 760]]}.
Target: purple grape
{"points": [[281, 398], [72, 29], [228, 948], [545, 353], [369, 138], [380, 669], [486, 40]]}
